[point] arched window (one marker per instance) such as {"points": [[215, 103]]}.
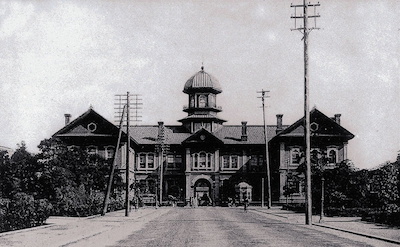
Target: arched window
{"points": [[202, 161], [211, 99], [332, 156], [191, 101], [202, 101], [92, 150]]}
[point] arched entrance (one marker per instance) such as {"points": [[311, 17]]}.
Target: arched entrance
{"points": [[202, 192]]}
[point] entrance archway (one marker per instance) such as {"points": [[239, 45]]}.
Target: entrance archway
{"points": [[202, 192]]}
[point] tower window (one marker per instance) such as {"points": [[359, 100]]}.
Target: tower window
{"points": [[202, 101]]}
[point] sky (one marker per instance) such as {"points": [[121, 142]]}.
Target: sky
{"points": [[60, 57]]}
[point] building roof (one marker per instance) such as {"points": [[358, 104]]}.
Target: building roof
{"points": [[230, 134], [325, 127], [79, 127], [202, 81]]}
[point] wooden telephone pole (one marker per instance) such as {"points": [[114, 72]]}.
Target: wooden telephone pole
{"points": [[263, 96], [305, 30]]}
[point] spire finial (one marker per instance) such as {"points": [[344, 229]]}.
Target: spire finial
{"points": [[202, 66]]}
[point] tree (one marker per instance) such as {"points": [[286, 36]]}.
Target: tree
{"points": [[18, 172], [71, 178]]}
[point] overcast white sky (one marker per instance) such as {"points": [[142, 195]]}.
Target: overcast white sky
{"points": [[61, 57]]}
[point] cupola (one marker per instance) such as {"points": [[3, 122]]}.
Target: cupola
{"points": [[202, 89], [202, 82]]}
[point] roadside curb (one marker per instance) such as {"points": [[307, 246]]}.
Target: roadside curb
{"points": [[335, 228], [265, 212], [26, 230], [358, 233]]}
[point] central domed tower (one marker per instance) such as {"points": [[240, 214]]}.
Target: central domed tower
{"points": [[202, 108]]}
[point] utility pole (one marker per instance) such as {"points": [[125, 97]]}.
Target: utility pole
{"points": [[305, 30], [128, 138], [263, 96], [122, 107], [110, 179], [162, 149]]}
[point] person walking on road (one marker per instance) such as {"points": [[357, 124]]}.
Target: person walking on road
{"points": [[245, 203]]}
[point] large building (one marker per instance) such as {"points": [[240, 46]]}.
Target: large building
{"points": [[206, 161]]}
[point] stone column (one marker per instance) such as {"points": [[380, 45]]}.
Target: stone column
{"points": [[216, 160]]}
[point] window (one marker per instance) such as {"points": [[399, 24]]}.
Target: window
{"points": [[332, 155], [191, 101], [209, 160], [225, 161], [234, 161], [202, 101], [142, 161], [92, 127], [315, 155], [109, 154], [230, 162], [150, 161], [202, 161], [256, 162], [295, 155], [174, 161], [146, 161], [92, 150], [212, 100]]}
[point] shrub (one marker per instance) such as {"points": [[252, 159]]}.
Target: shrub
{"points": [[22, 212]]}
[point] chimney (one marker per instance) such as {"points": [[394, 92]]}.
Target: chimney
{"points": [[244, 131], [67, 118], [337, 118], [279, 122]]}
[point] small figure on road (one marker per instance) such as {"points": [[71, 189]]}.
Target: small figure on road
{"points": [[245, 203]]}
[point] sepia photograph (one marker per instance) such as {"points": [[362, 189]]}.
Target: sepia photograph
{"points": [[199, 123]]}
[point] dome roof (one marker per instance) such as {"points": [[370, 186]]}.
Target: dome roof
{"points": [[202, 81]]}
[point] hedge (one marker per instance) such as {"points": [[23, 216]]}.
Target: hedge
{"points": [[23, 211]]}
